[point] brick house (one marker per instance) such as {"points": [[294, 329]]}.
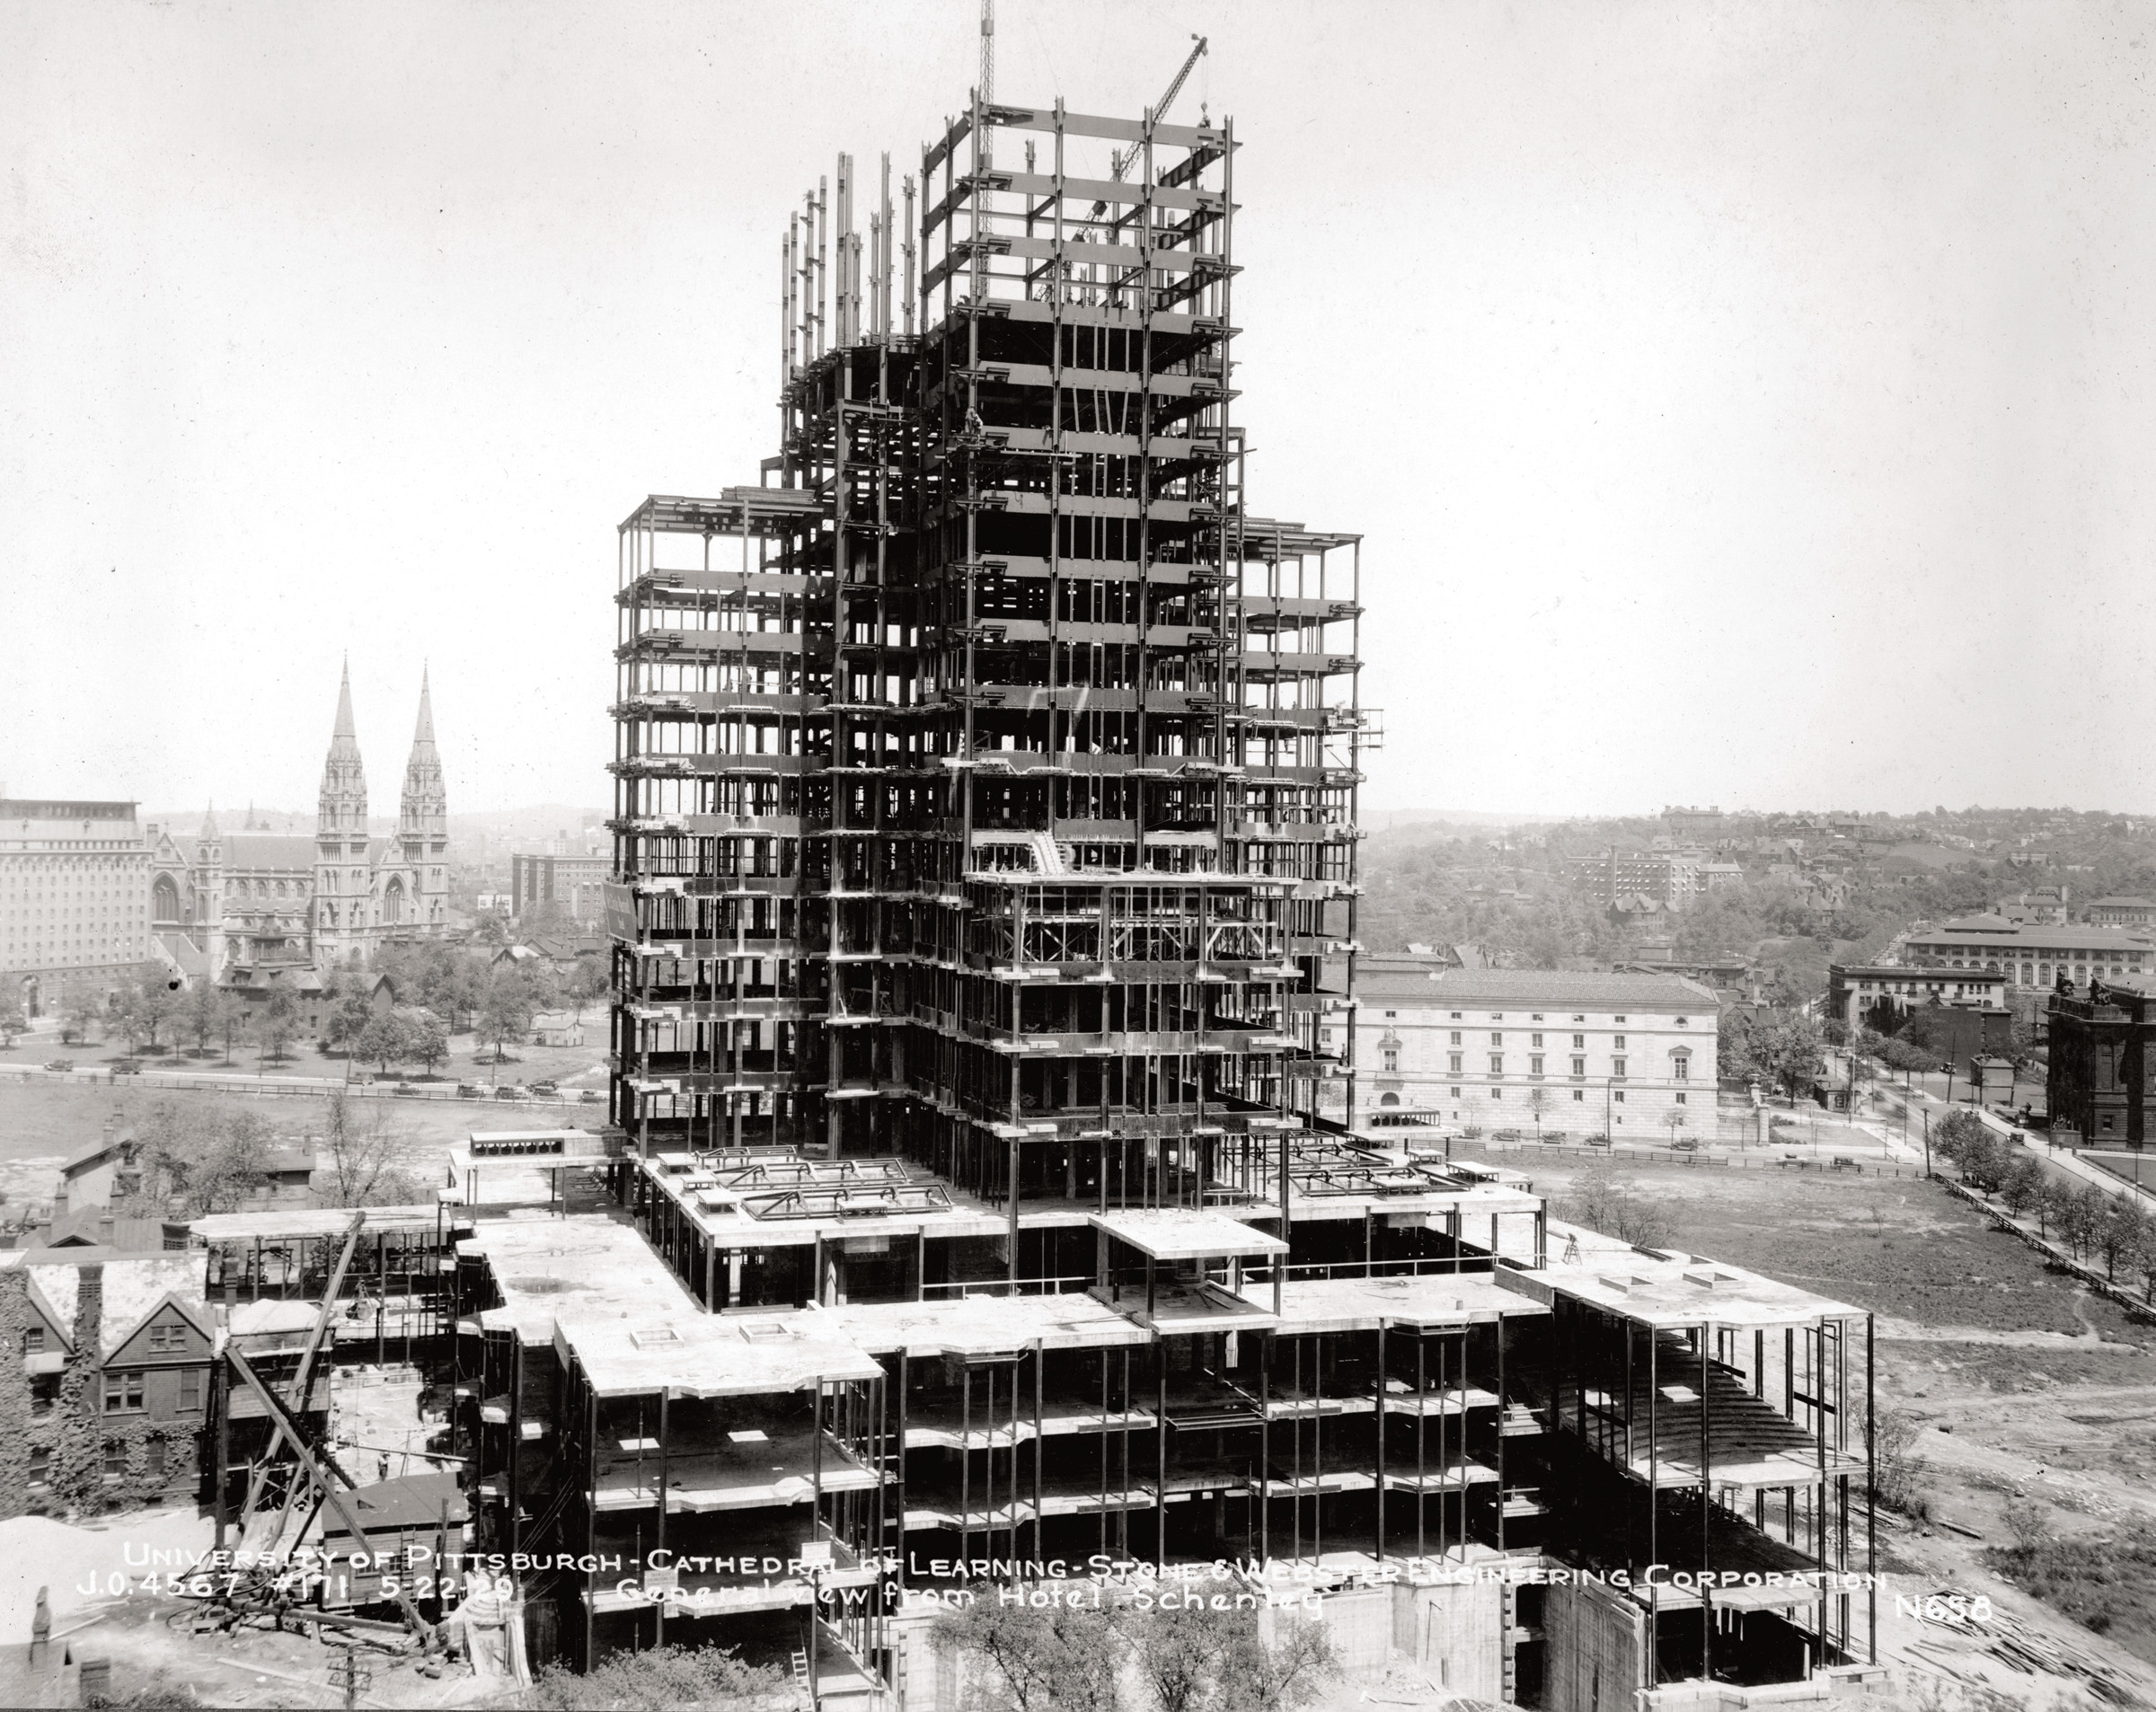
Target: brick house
{"points": [[106, 1398]]}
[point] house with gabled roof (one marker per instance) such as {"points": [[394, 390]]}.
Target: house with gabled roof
{"points": [[109, 1391]]}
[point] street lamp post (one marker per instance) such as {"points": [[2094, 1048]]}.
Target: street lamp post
{"points": [[1927, 1143]]}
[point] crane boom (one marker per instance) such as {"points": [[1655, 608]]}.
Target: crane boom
{"points": [[1119, 163], [1160, 110]]}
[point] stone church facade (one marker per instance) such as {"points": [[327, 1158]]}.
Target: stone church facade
{"points": [[245, 908]]}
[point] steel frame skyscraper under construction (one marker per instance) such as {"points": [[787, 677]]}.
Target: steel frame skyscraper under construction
{"points": [[987, 772]]}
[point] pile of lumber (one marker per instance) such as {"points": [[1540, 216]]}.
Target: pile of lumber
{"points": [[2017, 1645]]}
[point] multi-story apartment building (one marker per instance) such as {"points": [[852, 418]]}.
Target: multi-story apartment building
{"points": [[1671, 879], [544, 889], [75, 899], [1539, 1049]]}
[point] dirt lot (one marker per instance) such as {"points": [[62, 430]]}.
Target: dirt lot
{"points": [[2019, 1382]]}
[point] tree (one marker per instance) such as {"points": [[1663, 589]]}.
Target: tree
{"points": [[79, 1007], [234, 1023], [385, 1038], [2029, 1523], [2081, 1216], [197, 1014], [1281, 1675], [280, 1023], [2022, 1187], [588, 983], [490, 929], [1061, 1658], [13, 1022], [351, 1009], [1179, 1662], [427, 1041], [360, 1152], [506, 1011], [1779, 1049], [659, 1678], [1894, 1463], [145, 1009], [197, 1158], [2120, 1235], [1538, 1102], [2052, 1206], [1602, 1200]]}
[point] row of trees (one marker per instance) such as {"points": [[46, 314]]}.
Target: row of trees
{"points": [[443, 991], [2111, 1229]]}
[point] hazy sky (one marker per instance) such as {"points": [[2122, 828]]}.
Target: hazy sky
{"points": [[1740, 403]]}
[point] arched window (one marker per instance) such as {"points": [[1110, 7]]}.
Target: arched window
{"points": [[1388, 1099], [164, 899], [392, 901]]}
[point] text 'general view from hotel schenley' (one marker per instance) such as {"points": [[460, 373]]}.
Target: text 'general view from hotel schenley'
{"points": [[1073, 1025]]}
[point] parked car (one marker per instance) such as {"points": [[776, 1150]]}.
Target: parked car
{"points": [[1686, 1144], [126, 1068], [591, 1096], [1599, 1139], [511, 1091], [1555, 1136], [59, 1064], [542, 1087], [406, 1090], [1507, 1135], [470, 1091]]}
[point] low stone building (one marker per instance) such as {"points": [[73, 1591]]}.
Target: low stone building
{"points": [[1538, 1049]]}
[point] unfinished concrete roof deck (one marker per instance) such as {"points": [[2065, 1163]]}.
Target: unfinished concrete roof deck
{"points": [[986, 1325], [1675, 1290], [580, 1265], [716, 1213], [1186, 1233], [1448, 1300], [692, 1353], [290, 1223], [1475, 1200]]}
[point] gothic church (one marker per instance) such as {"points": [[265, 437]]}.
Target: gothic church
{"points": [[241, 906]]}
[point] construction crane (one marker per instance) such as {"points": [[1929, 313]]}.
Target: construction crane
{"points": [[1123, 159]]}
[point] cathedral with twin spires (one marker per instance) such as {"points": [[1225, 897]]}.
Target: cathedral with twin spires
{"points": [[241, 906]]}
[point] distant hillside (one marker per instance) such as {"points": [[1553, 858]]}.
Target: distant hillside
{"points": [[1385, 819], [524, 825]]}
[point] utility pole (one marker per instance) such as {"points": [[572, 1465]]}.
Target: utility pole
{"points": [[1927, 1143]]}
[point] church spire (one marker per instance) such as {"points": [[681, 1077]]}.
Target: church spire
{"points": [[341, 809], [345, 738], [423, 815]]}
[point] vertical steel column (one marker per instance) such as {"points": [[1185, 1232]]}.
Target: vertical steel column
{"points": [[1654, 1507], [1706, 1509]]}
